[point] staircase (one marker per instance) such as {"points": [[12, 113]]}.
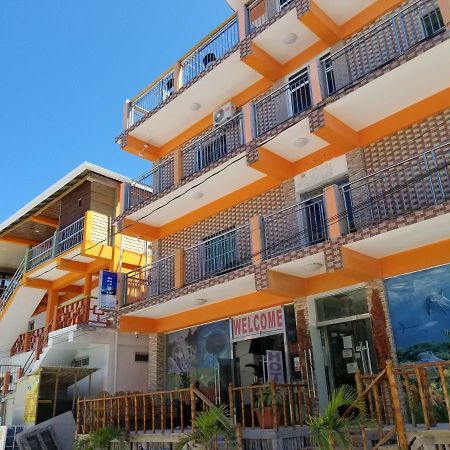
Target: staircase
{"points": [[409, 405]]}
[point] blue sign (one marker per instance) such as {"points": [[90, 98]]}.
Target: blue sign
{"points": [[108, 290]]}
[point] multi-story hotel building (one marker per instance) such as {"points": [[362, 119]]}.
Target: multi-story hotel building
{"points": [[297, 209], [56, 342], [298, 197]]}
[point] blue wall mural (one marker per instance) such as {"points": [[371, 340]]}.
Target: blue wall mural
{"points": [[419, 305], [194, 353]]}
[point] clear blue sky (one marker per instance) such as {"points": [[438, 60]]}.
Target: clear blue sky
{"points": [[66, 68]]}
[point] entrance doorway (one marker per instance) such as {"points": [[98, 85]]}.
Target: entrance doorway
{"points": [[250, 359], [348, 347], [343, 321]]}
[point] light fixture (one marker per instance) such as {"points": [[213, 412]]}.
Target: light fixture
{"points": [[300, 142], [290, 38], [197, 195], [200, 301], [195, 106], [37, 231], [313, 267]]}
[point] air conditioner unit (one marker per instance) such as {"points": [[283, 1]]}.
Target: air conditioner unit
{"points": [[224, 113]]}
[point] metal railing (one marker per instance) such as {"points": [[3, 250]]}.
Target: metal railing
{"points": [[60, 242], [218, 254], [70, 236], [213, 49], [151, 98], [261, 11], [381, 44], [297, 226], [42, 252], [213, 146], [156, 180], [283, 103], [150, 281], [15, 280], [415, 183]]}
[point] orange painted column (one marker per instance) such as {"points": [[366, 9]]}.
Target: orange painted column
{"points": [[314, 79], [6, 382], [247, 122], [334, 212], [257, 239], [52, 309], [180, 268], [177, 166], [242, 21], [444, 6]]}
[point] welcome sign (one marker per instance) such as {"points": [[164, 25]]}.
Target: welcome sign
{"points": [[270, 320]]}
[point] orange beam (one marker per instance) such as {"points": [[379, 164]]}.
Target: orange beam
{"points": [[263, 63], [359, 266], [140, 230], [273, 165], [321, 24], [337, 132], [72, 266], [285, 285], [54, 223], [143, 149]]}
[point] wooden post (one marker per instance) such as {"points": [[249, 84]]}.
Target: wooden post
{"points": [[78, 417], [55, 394], [193, 406], [396, 407], [127, 414], [273, 394], [239, 437], [6, 382], [358, 381], [231, 402]]}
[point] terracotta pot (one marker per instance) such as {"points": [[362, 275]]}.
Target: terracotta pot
{"points": [[266, 418]]}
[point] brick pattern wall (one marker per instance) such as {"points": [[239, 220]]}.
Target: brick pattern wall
{"points": [[157, 361], [409, 142], [272, 200]]}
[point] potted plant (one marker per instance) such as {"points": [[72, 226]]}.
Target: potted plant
{"points": [[102, 440], [208, 427], [264, 407], [345, 411]]}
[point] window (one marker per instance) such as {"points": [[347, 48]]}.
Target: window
{"points": [[210, 151], [432, 22], [220, 253], [328, 73], [43, 439], [300, 95], [80, 362], [140, 357], [30, 325]]}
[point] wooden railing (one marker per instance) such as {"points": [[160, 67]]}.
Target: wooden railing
{"points": [[270, 405], [83, 311], [406, 396], [26, 342], [166, 411]]}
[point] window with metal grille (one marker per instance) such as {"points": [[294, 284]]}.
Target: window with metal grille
{"points": [[80, 362], [432, 22], [299, 90], [328, 74], [140, 357], [220, 253], [209, 152], [41, 440]]}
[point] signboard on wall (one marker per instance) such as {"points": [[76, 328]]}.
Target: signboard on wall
{"points": [[31, 400], [270, 320], [108, 290], [275, 370]]}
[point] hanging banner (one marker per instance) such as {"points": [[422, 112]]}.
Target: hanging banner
{"points": [[275, 369], [258, 322], [107, 298], [31, 400]]}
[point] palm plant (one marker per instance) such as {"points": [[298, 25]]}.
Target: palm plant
{"points": [[332, 428], [208, 427], [101, 440]]}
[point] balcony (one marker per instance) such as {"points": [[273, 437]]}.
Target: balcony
{"points": [[196, 156], [283, 103], [27, 342], [381, 44], [413, 184], [59, 243]]}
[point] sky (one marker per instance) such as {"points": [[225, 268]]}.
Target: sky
{"points": [[66, 68]]}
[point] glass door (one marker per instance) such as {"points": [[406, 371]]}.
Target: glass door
{"points": [[348, 346]]}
